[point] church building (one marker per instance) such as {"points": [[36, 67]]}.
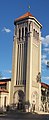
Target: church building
{"points": [[26, 61]]}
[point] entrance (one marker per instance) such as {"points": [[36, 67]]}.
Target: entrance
{"points": [[19, 98]]}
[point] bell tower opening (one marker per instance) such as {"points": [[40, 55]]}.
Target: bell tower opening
{"points": [[19, 34], [26, 30], [22, 33]]}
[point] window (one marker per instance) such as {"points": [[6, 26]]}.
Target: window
{"points": [[19, 34], [34, 33], [16, 82], [37, 35], [22, 33], [5, 101], [29, 27], [26, 30]]}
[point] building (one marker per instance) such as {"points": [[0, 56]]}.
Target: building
{"points": [[4, 92], [26, 62], [45, 97], [25, 85]]}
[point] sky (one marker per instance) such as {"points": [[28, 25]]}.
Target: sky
{"points": [[9, 11]]}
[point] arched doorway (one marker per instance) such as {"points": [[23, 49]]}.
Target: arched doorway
{"points": [[19, 98]]}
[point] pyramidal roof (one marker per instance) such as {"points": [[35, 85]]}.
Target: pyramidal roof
{"points": [[24, 16]]}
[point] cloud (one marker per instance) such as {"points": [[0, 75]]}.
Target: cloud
{"points": [[43, 56], [7, 30], [45, 78], [45, 40], [42, 69], [4, 78], [8, 71], [46, 49], [44, 61]]}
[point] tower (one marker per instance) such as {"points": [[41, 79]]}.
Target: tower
{"points": [[26, 63]]}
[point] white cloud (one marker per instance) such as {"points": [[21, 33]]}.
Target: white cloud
{"points": [[45, 40], [46, 44], [5, 78], [44, 61], [42, 68], [7, 30], [46, 49], [43, 56], [45, 78], [8, 71]]}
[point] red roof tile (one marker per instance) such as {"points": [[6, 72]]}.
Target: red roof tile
{"points": [[3, 90], [1, 83], [24, 16], [44, 85]]}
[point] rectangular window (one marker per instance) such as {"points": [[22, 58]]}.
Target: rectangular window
{"points": [[19, 34], [26, 30], [29, 27], [34, 33], [22, 33]]}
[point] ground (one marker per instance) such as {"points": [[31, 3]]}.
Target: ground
{"points": [[15, 115]]}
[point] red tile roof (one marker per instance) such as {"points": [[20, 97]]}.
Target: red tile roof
{"points": [[45, 85], [24, 16], [3, 90], [2, 83]]}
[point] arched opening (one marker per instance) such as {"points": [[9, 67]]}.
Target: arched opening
{"points": [[19, 99]]}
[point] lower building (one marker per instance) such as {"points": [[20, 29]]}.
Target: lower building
{"points": [[5, 92], [44, 97]]}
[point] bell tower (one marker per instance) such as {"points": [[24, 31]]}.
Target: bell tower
{"points": [[26, 62]]}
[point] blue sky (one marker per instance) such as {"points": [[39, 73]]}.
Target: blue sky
{"points": [[11, 9]]}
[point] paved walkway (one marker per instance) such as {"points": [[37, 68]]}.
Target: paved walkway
{"points": [[41, 112]]}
